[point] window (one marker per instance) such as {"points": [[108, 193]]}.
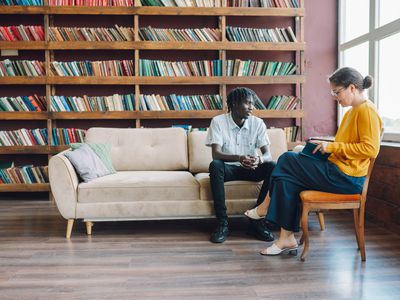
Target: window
{"points": [[389, 106], [369, 42]]}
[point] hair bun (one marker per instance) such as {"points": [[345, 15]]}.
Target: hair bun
{"points": [[367, 82]]}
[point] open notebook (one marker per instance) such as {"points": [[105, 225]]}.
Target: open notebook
{"points": [[308, 149]]}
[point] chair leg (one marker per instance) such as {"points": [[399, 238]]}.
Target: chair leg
{"points": [[356, 224], [321, 220], [304, 226], [89, 226], [361, 237], [70, 224]]}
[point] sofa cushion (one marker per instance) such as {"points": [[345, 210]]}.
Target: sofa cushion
{"points": [[144, 149], [233, 189], [103, 151], [200, 155], [127, 186], [86, 163]]}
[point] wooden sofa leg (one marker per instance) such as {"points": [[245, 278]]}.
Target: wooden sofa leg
{"points": [[70, 224], [89, 226]]}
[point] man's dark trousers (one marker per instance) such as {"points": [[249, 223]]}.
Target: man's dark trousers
{"points": [[221, 172]]}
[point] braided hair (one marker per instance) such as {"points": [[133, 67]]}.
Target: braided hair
{"points": [[239, 95]]}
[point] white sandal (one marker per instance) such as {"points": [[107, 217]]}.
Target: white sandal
{"points": [[274, 250], [252, 214]]}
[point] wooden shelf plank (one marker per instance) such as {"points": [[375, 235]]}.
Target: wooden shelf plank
{"points": [[23, 115], [33, 187], [94, 115], [32, 149], [187, 114], [174, 45], [24, 149], [256, 46], [214, 80], [26, 10], [100, 80], [220, 11], [148, 10], [150, 80], [22, 80], [181, 114], [22, 45]]}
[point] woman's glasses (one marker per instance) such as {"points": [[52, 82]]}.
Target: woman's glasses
{"points": [[337, 92]]}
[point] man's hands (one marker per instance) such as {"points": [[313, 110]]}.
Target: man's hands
{"points": [[321, 146], [249, 161]]}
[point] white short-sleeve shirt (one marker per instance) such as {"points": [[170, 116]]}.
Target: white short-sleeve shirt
{"points": [[237, 140]]}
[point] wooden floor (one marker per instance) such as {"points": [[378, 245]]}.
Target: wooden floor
{"points": [[175, 260]]}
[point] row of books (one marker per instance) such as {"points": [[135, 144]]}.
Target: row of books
{"points": [[222, 3], [25, 174], [283, 102], [117, 33], [23, 103], [22, 68], [291, 133], [96, 103], [126, 102], [239, 34], [239, 68], [148, 67], [66, 136], [174, 3], [171, 34], [22, 33], [180, 102], [92, 68], [21, 2], [39, 137]]}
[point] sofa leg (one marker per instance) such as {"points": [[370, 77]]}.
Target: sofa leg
{"points": [[70, 224], [89, 226]]}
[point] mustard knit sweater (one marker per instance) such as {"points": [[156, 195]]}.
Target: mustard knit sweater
{"points": [[357, 140]]}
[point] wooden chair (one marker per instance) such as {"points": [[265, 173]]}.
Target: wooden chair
{"points": [[315, 200]]}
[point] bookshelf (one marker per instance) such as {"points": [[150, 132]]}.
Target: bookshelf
{"points": [[136, 83]]}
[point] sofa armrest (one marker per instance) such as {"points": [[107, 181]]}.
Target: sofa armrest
{"points": [[64, 185]]}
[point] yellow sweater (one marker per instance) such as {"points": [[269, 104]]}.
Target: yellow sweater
{"points": [[357, 140]]}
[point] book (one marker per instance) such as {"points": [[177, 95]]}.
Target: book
{"points": [[308, 151]]}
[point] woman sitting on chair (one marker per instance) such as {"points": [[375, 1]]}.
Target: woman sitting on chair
{"points": [[356, 141]]}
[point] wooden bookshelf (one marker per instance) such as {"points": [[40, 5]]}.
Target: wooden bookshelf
{"points": [[137, 48]]}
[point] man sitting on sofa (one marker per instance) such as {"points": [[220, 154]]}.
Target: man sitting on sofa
{"points": [[234, 138]]}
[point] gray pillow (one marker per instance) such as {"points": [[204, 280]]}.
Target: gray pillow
{"points": [[86, 163]]}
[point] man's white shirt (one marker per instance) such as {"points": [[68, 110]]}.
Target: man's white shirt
{"points": [[237, 140]]}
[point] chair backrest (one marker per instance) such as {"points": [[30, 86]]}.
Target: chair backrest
{"points": [[370, 168]]}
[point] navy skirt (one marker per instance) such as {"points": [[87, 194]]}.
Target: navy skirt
{"points": [[295, 173]]}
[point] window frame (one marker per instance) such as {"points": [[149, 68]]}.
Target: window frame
{"points": [[375, 34]]}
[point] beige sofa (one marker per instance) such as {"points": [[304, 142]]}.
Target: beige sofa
{"points": [[162, 173]]}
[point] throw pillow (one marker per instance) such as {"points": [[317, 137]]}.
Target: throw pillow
{"points": [[103, 151], [86, 163]]}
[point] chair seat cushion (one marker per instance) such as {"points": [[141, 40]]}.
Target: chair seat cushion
{"points": [[127, 186], [323, 197], [233, 189]]}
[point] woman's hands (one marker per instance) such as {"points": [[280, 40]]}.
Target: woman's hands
{"points": [[321, 146]]}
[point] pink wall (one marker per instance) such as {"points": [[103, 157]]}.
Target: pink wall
{"points": [[321, 60]]}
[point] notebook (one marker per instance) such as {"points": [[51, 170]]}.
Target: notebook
{"points": [[308, 149]]}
